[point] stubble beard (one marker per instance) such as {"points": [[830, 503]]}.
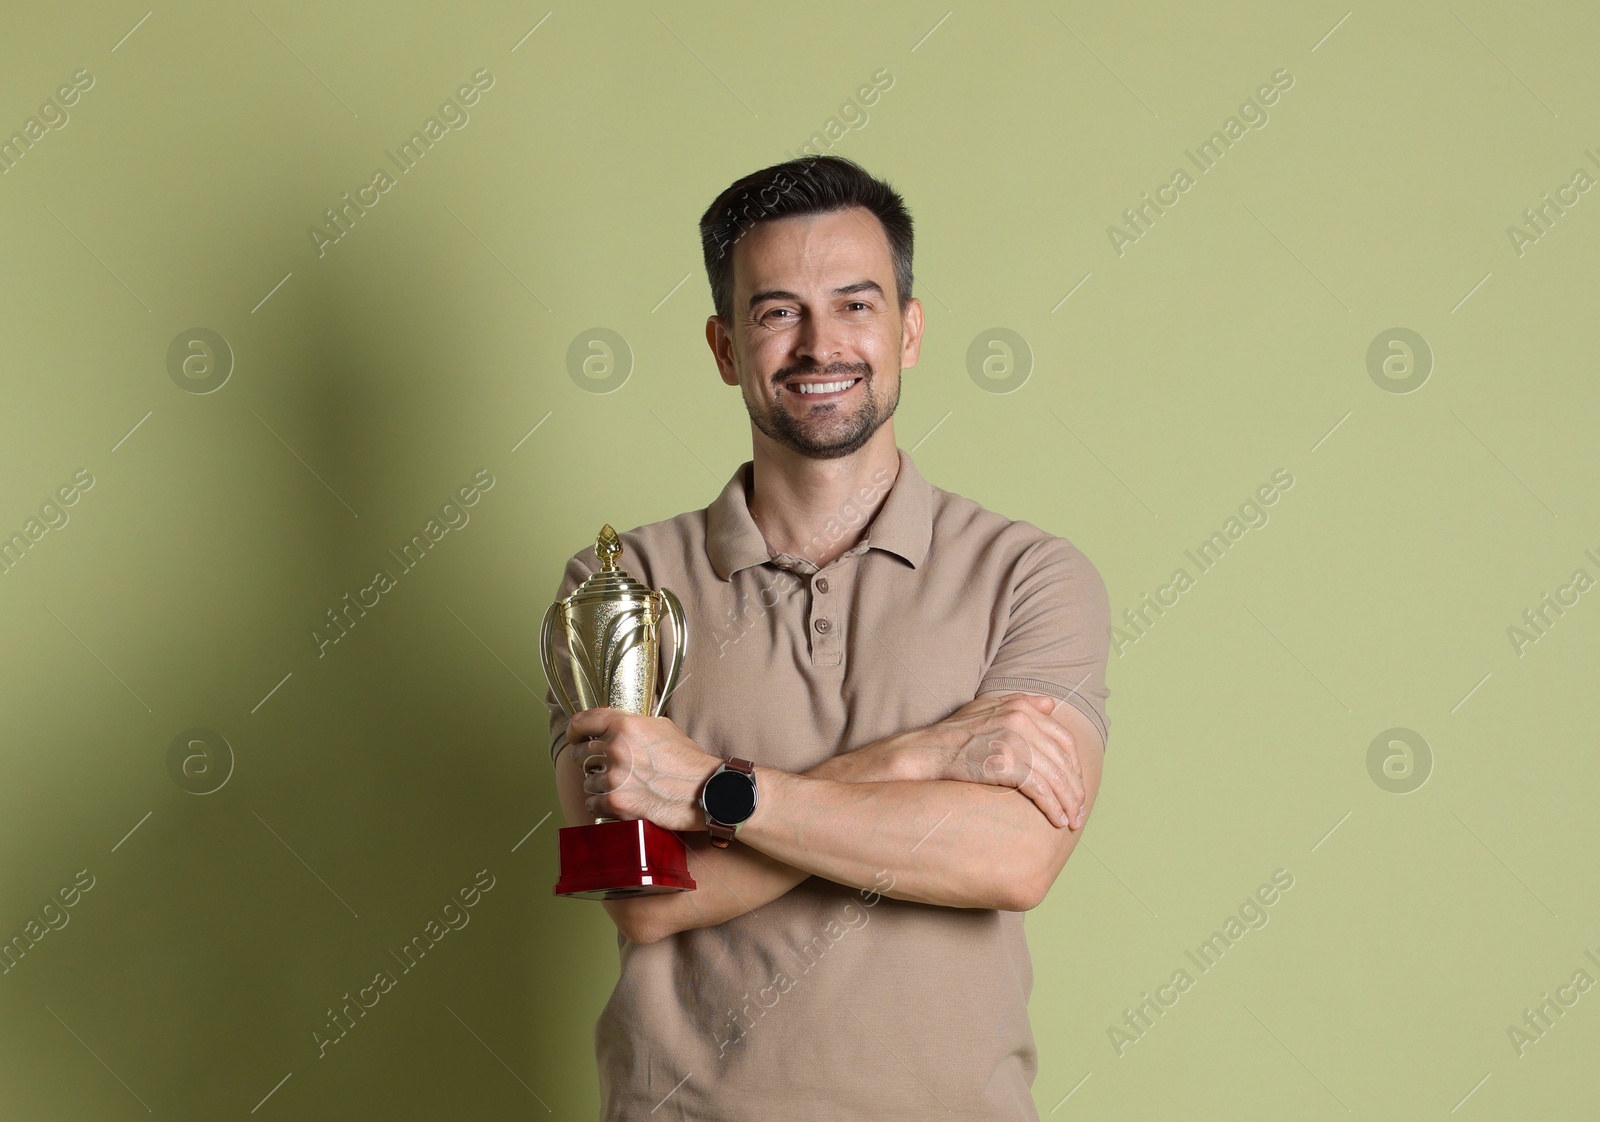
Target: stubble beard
{"points": [[802, 434]]}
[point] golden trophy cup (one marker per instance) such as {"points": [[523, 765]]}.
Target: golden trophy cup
{"points": [[611, 624]]}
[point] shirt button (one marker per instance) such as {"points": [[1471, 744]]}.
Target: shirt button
{"points": [[822, 625], [822, 584]]}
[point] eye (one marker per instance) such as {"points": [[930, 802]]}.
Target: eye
{"points": [[859, 304]]}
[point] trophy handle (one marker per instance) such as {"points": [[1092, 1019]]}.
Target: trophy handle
{"points": [[680, 640], [547, 657]]}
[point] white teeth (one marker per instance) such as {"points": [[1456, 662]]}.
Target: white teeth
{"points": [[825, 387]]}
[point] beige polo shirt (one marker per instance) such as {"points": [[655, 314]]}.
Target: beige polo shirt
{"points": [[832, 1002]]}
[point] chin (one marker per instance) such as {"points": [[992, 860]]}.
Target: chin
{"points": [[833, 449]]}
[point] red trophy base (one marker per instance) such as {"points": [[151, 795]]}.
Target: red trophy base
{"points": [[610, 860]]}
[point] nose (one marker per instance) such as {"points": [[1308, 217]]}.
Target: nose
{"points": [[820, 340]]}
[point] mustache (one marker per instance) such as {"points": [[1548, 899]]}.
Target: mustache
{"points": [[853, 369]]}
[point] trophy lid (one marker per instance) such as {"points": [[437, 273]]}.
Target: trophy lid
{"points": [[610, 582]]}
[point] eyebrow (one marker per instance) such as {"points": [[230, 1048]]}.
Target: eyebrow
{"points": [[846, 290]]}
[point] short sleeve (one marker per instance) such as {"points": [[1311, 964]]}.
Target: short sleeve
{"points": [[577, 572], [1058, 631]]}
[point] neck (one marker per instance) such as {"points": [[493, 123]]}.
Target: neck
{"points": [[818, 509]]}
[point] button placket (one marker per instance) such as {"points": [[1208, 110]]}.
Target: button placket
{"points": [[825, 646]]}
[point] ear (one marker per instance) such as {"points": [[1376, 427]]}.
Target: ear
{"points": [[911, 333], [720, 341]]}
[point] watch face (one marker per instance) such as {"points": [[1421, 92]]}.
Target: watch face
{"points": [[730, 797]]}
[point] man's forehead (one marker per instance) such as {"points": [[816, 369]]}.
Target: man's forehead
{"points": [[790, 247]]}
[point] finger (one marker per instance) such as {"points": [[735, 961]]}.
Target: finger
{"points": [[1041, 754], [586, 724], [1045, 798], [1040, 738], [1036, 701], [1053, 778], [602, 774], [985, 704], [1016, 761], [1069, 788], [1016, 751], [1047, 748], [1041, 702], [1065, 750]]}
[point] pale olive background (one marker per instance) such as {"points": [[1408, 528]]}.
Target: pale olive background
{"points": [[428, 344]]}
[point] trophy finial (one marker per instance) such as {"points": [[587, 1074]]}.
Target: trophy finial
{"points": [[608, 547]]}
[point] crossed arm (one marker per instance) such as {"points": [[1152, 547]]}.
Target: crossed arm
{"points": [[981, 810]]}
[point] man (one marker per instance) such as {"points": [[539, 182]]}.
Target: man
{"points": [[919, 683]]}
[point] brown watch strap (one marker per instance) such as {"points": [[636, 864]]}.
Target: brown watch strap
{"points": [[722, 836]]}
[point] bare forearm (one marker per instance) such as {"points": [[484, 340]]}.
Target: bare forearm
{"points": [[980, 810], [728, 882], [734, 881], [940, 841]]}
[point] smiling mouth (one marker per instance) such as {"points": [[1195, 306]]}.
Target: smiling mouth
{"points": [[821, 391]]}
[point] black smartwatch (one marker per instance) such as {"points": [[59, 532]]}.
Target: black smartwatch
{"points": [[729, 799]]}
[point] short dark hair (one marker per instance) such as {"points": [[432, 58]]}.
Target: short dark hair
{"points": [[807, 185]]}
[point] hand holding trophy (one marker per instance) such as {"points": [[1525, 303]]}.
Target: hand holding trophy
{"points": [[611, 626]]}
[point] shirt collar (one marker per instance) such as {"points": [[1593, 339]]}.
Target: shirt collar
{"points": [[903, 524]]}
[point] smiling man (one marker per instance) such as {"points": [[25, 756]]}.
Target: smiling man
{"points": [[888, 748]]}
